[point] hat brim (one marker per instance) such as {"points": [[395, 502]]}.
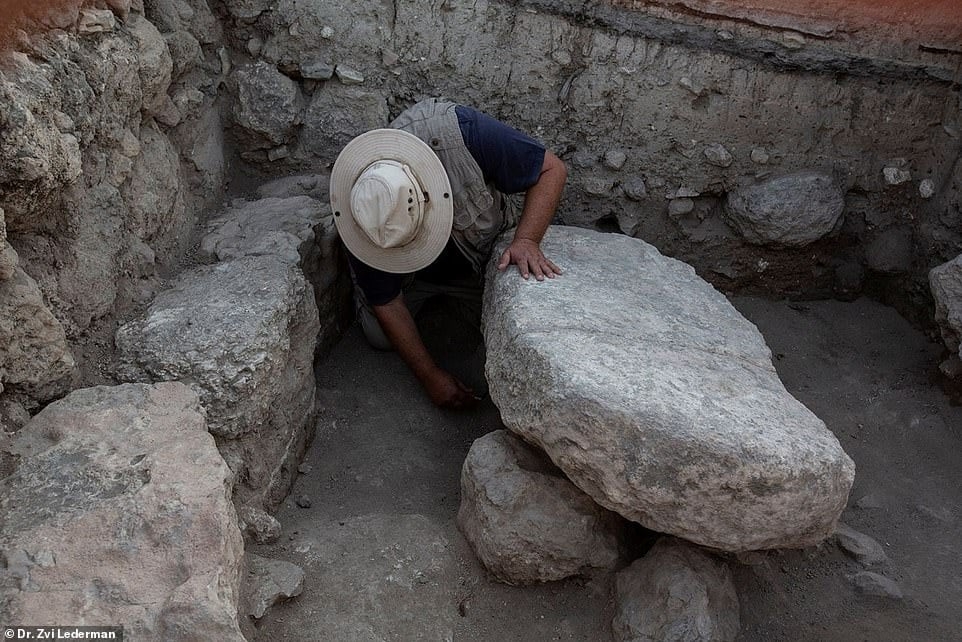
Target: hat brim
{"points": [[438, 216]]}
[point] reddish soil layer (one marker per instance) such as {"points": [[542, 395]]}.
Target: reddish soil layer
{"points": [[938, 21]]}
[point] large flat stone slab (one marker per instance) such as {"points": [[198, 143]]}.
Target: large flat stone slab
{"points": [[120, 513], [658, 399], [242, 334]]}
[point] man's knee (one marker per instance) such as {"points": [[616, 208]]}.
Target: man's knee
{"points": [[372, 331]]}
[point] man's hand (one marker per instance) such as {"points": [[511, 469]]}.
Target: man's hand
{"points": [[446, 391], [527, 255]]}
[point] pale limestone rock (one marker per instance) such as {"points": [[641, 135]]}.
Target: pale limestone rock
{"points": [[120, 513], [945, 282], [268, 103], [675, 592], [33, 346], [658, 399], [526, 522], [96, 21], [155, 63], [242, 334], [337, 113]]}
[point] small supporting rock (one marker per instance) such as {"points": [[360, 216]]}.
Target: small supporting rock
{"points": [[526, 521], [675, 592]]}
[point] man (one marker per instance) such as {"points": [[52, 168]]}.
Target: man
{"points": [[419, 207]]}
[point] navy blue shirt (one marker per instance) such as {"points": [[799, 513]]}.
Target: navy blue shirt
{"points": [[509, 159]]}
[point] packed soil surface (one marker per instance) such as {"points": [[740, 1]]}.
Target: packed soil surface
{"points": [[384, 559]]}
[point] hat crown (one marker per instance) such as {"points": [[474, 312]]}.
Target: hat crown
{"points": [[387, 203]]}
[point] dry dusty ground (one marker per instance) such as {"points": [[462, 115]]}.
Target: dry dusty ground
{"points": [[385, 561]]}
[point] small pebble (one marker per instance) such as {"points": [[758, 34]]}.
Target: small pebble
{"points": [[303, 501], [304, 469]]}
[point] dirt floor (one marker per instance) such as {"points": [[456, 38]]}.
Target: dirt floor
{"points": [[384, 559]]}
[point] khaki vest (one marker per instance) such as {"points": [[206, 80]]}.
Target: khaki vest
{"points": [[481, 212]]}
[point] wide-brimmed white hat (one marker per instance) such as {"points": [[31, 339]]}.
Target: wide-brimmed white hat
{"points": [[392, 200]]}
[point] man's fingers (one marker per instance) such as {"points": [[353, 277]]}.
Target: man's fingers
{"points": [[536, 270], [505, 259], [554, 268]]}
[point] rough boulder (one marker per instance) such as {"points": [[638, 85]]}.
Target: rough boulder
{"points": [[120, 513], [658, 399], [242, 334], [526, 521]]}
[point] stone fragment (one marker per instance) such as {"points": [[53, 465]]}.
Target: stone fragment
{"points": [[33, 344], [121, 8], [598, 186], [316, 70], [337, 113], [635, 188], [299, 229], [694, 87], [791, 210], [684, 192], [951, 367], [615, 159], [120, 512], [760, 156], [675, 592], [270, 582], [96, 21], [8, 257], [155, 195], [384, 574], [865, 550], [895, 175], [254, 46], [268, 104], [303, 501], [246, 9], [793, 40], [389, 58], [718, 155], [927, 188], [876, 585], [348, 75], [680, 207], [185, 52], [945, 282], [278, 153], [258, 526], [526, 522], [660, 400], [327, 33], [156, 65], [242, 333], [583, 160]]}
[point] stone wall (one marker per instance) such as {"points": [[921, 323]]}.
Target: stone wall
{"points": [[110, 144], [661, 110]]}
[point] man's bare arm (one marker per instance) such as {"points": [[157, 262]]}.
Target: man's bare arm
{"points": [[540, 203], [399, 327]]}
